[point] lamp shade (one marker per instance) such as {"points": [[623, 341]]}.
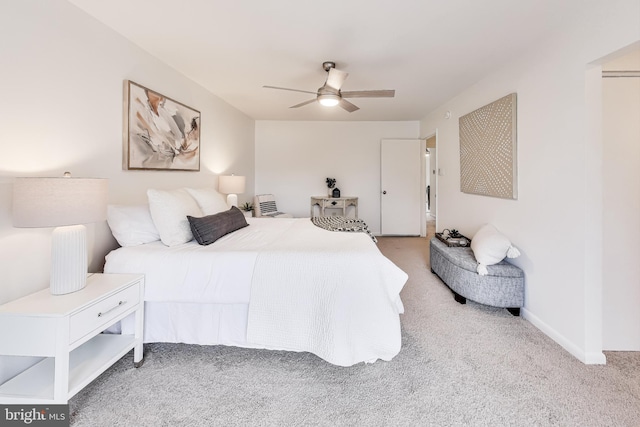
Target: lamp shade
{"points": [[231, 184], [53, 202], [65, 203]]}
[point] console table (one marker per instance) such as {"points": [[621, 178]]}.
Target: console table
{"points": [[326, 202]]}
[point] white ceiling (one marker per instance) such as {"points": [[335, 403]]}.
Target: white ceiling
{"points": [[427, 50]]}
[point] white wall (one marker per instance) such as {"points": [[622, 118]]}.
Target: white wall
{"points": [[621, 190], [556, 221], [61, 109], [293, 159]]}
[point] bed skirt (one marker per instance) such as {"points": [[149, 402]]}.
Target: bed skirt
{"points": [[192, 323]]}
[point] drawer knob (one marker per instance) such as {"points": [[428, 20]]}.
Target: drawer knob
{"points": [[111, 309]]}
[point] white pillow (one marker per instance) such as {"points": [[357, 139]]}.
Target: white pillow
{"points": [[169, 210], [490, 247], [210, 201], [132, 225]]}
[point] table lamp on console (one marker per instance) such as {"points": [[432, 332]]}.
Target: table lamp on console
{"points": [[65, 203], [231, 185]]}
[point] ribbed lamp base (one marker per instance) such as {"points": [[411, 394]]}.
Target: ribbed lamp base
{"points": [[232, 200], [68, 259]]}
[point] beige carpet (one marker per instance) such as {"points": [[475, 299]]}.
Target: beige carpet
{"points": [[494, 350], [459, 365]]}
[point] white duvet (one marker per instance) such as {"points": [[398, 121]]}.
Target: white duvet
{"points": [[330, 293]]}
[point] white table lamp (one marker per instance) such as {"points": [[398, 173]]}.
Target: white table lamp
{"points": [[231, 185], [65, 203]]}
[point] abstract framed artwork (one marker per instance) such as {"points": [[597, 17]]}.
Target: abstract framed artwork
{"points": [[159, 133], [488, 150]]}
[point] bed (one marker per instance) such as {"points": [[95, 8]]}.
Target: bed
{"points": [[280, 284]]}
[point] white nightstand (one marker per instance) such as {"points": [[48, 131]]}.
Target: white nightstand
{"points": [[66, 331]]}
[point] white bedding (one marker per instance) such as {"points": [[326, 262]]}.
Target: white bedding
{"points": [[307, 289]]}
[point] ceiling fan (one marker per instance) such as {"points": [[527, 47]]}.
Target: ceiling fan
{"points": [[330, 94]]}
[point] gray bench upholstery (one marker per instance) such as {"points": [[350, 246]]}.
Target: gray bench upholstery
{"points": [[456, 267]]}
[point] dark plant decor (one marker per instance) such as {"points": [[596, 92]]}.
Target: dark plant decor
{"points": [[247, 207], [453, 233], [331, 182]]}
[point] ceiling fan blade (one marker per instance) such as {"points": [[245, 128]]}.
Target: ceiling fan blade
{"points": [[336, 78], [348, 106], [369, 94], [292, 90], [302, 104]]}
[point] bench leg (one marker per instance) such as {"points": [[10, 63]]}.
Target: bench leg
{"points": [[459, 298], [515, 311]]}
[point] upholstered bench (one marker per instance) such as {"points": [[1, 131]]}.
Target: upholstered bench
{"points": [[503, 286]]}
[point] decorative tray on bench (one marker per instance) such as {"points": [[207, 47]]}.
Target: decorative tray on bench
{"points": [[459, 241]]}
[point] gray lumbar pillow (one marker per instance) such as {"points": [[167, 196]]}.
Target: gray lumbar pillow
{"points": [[208, 229]]}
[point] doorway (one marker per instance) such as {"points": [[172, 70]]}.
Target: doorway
{"points": [[431, 179], [621, 201]]}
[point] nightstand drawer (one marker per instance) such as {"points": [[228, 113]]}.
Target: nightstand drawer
{"points": [[100, 313]]}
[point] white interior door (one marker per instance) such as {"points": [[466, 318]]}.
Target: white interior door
{"points": [[402, 185]]}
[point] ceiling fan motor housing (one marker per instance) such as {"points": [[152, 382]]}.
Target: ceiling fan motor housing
{"points": [[327, 65], [328, 90]]}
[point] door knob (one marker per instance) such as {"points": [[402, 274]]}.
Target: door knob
{"points": [[384, 192]]}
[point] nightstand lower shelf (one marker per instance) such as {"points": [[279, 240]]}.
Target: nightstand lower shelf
{"points": [[86, 363]]}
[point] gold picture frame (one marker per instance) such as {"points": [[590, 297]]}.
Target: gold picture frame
{"points": [[159, 132]]}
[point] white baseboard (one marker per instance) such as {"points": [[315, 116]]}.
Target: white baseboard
{"points": [[588, 358], [595, 358]]}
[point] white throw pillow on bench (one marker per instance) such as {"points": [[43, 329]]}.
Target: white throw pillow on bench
{"points": [[489, 246]]}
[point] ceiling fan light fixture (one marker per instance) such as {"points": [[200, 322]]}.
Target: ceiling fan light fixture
{"points": [[330, 93], [329, 100]]}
